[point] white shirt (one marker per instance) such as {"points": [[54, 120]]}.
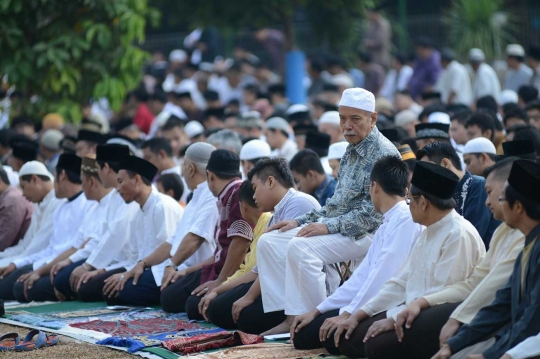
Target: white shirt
{"points": [[445, 253], [455, 79], [178, 171], [529, 348], [484, 82], [112, 247], [12, 175], [67, 220], [287, 151], [395, 81], [92, 230], [39, 232], [389, 249], [155, 222], [200, 218]]}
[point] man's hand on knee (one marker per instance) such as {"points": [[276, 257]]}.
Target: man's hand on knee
{"points": [[283, 226], [313, 229]]}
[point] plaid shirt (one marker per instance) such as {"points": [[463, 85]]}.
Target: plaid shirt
{"points": [[350, 210]]}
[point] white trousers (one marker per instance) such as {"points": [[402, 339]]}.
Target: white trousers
{"points": [[290, 268]]}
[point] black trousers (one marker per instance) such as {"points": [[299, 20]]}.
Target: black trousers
{"points": [[354, 346], [220, 309], [254, 320], [92, 291], [175, 296], [41, 291], [7, 284], [61, 281], [308, 337], [145, 294]]}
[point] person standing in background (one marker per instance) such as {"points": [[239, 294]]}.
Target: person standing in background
{"points": [[378, 37]]}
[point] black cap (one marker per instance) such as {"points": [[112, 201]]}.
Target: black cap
{"points": [[69, 162], [304, 128], [224, 163], [142, 167], [391, 134], [318, 142], [111, 153], [91, 136], [24, 148], [432, 130], [434, 180], [520, 149], [68, 144], [525, 179]]}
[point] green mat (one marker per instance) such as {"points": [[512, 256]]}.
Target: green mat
{"points": [[60, 307], [164, 353]]}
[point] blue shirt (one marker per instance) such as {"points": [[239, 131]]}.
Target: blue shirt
{"points": [[470, 196], [325, 190]]}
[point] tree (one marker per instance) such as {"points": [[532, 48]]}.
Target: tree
{"points": [[60, 53]]}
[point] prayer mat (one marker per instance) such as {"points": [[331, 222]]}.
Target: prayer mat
{"points": [[266, 351], [200, 343], [122, 328]]}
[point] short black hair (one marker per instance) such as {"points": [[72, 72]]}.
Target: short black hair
{"points": [[140, 94], [28, 178], [173, 122], [531, 208], [113, 165], [316, 65], [4, 176], [501, 169], [461, 117], [483, 120], [306, 160], [517, 128], [392, 174], [254, 89], [246, 193], [529, 134], [428, 110], [159, 95], [277, 89], [132, 174], [172, 181], [72, 177], [157, 144], [5, 137], [510, 106], [533, 105], [516, 113], [437, 151], [442, 204], [488, 102], [21, 121], [528, 93], [275, 167], [211, 95]]}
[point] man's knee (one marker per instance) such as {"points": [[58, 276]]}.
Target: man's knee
{"points": [[192, 308], [296, 249], [18, 292], [171, 302]]}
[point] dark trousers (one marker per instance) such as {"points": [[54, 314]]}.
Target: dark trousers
{"points": [[41, 291], [220, 309], [354, 346], [192, 307], [61, 281], [8, 282], [92, 291], [146, 293], [254, 320], [308, 337], [175, 296]]}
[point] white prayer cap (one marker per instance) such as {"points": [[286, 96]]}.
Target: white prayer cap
{"points": [[439, 117], [337, 150], [508, 96], [177, 56], [277, 123], [479, 145], [193, 129], [515, 50], [116, 140], [51, 139], [331, 117], [476, 55], [404, 117], [342, 80], [199, 152], [297, 108], [358, 98], [35, 168], [254, 149]]}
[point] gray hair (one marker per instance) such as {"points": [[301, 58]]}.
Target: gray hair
{"points": [[227, 140], [199, 154]]}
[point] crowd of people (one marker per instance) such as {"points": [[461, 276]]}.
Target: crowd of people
{"points": [[394, 215]]}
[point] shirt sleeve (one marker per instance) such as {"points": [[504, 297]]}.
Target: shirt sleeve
{"points": [[355, 223], [236, 225], [311, 216], [203, 225], [475, 210]]}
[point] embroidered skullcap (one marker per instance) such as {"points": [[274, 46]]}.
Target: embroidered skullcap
{"points": [[439, 117], [479, 145], [432, 130], [254, 149], [200, 152], [406, 152], [89, 164], [358, 98], [331, 117], [194, 129], [404, 117], [337, 150], [35, 168]]}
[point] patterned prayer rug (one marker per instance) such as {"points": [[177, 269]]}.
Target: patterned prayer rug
{"points": [[266, 351], [121, 328]]}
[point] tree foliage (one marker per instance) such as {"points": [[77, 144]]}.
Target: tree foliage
{"points": [[60, 53]]}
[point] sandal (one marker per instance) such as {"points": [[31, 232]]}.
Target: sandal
{"points": [[42, 340], [8, 342]]}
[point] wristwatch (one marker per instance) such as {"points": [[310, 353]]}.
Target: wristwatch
{"points": [[170, 263]]}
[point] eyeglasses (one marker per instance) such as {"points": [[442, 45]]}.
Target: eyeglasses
{"points": [[408, 198], [502, 199]]}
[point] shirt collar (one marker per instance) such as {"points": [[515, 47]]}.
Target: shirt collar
{"points": [[284, 200], [227, 187], [71, 199], [464, 179], [6, 191], [394, 210], [443, 221], [149, 201], [319, 192], [363, 146]]}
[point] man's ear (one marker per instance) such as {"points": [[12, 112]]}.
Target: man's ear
{"points": [[170, 193], [271, 182]]}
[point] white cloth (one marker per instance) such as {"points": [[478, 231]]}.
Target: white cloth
{"points": [[12, 175], [484, 82], [527, 349], [326, 165], [178, 171], [395, 81], [112, 247], [200, 218], [446, 253], [92, 230], [287, 151], [67, 220], [39, 233], [154, 223], [455, 79], [389, 249]]}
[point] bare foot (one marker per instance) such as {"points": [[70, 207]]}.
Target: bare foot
{"points": [[282, 328]]}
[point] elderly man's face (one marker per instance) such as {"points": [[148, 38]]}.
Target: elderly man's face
{"points": [[356, 124]]}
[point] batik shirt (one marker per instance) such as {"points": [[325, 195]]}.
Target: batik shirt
{"points": [[325, 190], [350, 211]]}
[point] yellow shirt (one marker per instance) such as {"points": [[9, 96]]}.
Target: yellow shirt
{"points": [[491, 273], [251, 257]]}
